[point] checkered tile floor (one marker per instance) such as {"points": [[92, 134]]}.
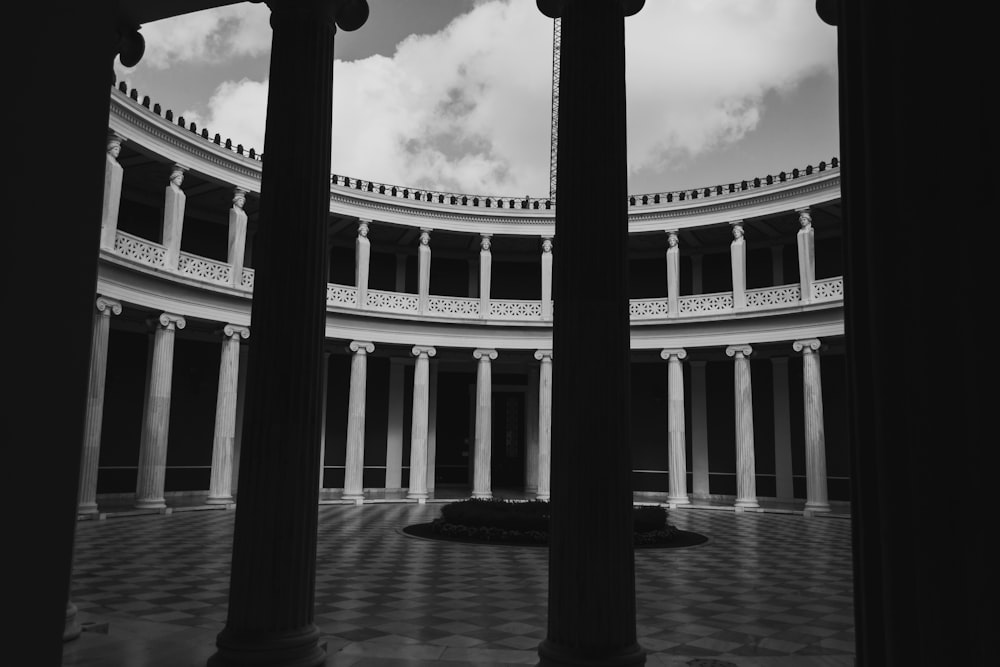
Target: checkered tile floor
{"points": [[766, 590]]}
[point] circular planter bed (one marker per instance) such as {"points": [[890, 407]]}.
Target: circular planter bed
{"points": [[514, 523]]}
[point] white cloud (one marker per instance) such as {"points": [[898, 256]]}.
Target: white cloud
{"points": [[467, 109]]}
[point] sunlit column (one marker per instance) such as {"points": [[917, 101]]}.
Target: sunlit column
{"points": [[173, 217], [673, 274], [546, 277], [485, 274], [220, 490], [424, 268], [746, 481], [418, 425], [738, 258], [362, 261], [354, 466], [89, 462], [699, 431], [481, 462], [807, 254], [812, 395], [544, 423], [113, 174], [675, 426], [237, 236], [156, 420]]}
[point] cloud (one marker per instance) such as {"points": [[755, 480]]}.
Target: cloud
{"points": [[467, 109]]}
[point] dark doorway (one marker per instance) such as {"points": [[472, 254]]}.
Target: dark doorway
{"points": [[508, 440]]}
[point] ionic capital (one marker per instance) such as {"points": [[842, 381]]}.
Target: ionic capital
{"points": [[361, 347], [807, 345], [423, 351], [554, 8], [543, 355], [425, 236], [805, 217], [239, 197], [739, 351], [671, 353], [104, 304], [169, 321], [236, 331], [672, 239], [546, 244], [363, 226], [737, 226], [347, 15], [115, 142], [484, 242], [484, 354]]}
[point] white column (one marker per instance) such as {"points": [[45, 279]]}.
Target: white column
{"points": [[531, 444], [354, 466], [544, 423], [220, 490], [156, 419], [777, 265], [90, 460], [424, 268], [173, 217], [738, 258], [812, 394], [675, 427], [746, 481], [394, 429], [362, 262], [485, 274], [432, 427], [673, 275], [807, 254], [696, 275], [481, 476], [699, 431], [784, 487], [546, 277], [113, 174], [324, 379], [237, 236], [418, 431]]}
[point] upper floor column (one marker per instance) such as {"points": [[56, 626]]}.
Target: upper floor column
{"points": [[546, 277], [113, 175], [362, 261], [738, 258], [173, 217], [424, 268], [673, 274], [485, 274], [807, 254], [237, 236]]}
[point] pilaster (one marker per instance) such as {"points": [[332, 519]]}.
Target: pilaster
{"points": [[113, 175], [738, 259], [673, 274], [424, 268], [485, 274], [805, 240], [546, 277], [237, 236], [173, 217], [362, 261]]}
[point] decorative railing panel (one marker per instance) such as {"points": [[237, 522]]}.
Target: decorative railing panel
{"points": [[207, 269], [341, 295], [140, 250], [828, 289], [247, 281], [392, 302], [774, 297], [501, 309], [700, 304], [644, 309], [453, 306]]}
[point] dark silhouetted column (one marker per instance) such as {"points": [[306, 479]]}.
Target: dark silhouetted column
{"points": [[591, 611], [272, 584]]}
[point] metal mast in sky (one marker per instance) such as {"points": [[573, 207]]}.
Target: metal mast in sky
{"points": [[554, 135]]}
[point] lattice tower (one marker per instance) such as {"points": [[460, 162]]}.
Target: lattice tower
{"points": [[554, 134]]}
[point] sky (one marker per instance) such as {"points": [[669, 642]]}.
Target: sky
{"points": [[455, 95]]}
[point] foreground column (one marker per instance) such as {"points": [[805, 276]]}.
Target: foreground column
{"points": [[95, 404], [591, 559], [273, 572], [156, 420], [544, 424], [812, 396], [675, 426], [746, 480], [481, 456], [220, 490], [419, 423], [354, 466]]}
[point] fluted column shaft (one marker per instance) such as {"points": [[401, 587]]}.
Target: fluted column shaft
{"points": [[673, 275], [362, 262], [237, 236], [113, 175], [419, 422], [483, 447], [173, 217], [746, 480], [546, 278], [485, 274], [273, 572], [156, 420], [220, 490], [805, 239], [812, 396], [590, 539], [354, 466], [738, 260], [423, 269], [544, 424], [675, 426], [90, 460]]}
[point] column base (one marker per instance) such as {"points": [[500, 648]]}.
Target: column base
{"points": [[815, 508], [556, 655], [356, 498], [72, 629], [151, 504], [746, 504], [541, 496], [482, 495], [294, 648], [86, 509], [219, 500], [419, 496], [675, 501]]}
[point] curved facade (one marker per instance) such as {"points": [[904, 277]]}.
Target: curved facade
{"points": [[438, 333]]}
